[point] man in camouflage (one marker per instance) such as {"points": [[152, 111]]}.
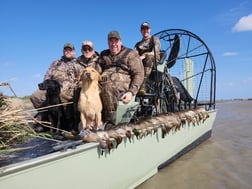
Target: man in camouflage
{"points": [[65, 71], [149, 51], [89, 56], [122, 75]]}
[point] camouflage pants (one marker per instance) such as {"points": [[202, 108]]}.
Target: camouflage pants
{"points": [[114, 83], [148, 62], [109, 96], [37, 98]]}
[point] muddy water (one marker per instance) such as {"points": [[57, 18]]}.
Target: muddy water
{"points": [[222, 162]]}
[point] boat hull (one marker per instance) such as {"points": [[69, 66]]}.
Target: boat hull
{"points": [[127, 166]]}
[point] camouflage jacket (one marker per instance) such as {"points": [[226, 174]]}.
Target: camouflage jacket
{"points": [[148, 45], [124, 70], [93, 62], [65, 71]]}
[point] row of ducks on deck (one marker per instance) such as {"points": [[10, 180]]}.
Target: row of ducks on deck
{"points": [[111, 138]]}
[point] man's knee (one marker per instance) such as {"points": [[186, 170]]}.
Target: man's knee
{"points": [[148, 61], [37, 98]]}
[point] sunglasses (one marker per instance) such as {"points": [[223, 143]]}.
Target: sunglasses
{"points": [[87, 49]]}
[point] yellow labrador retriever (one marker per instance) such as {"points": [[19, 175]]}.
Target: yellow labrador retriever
{"points": [[89, 104]]}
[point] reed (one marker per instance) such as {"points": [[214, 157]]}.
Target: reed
{"points": [[15, 120]]}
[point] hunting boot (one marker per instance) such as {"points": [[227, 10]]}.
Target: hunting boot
{"points": [[110, 120], [147, 72]]}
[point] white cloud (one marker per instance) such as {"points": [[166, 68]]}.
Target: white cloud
{"points": [[247, 80], [244, 24], [231, 84], [38, 75], [229, 54], [13, 79]]}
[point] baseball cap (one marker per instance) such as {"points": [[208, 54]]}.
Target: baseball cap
{"points": [[88, 43], [145, 25], [69, 45], [114, 34]]}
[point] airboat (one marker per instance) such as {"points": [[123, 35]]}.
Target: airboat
{"points": [[181, 84]]}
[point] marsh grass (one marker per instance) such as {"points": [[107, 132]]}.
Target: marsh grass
{"points": [[16, 116]]}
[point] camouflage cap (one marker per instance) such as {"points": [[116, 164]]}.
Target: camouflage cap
{"points": [[69, 45], [145, 25], [88, 43], [114, 34]]}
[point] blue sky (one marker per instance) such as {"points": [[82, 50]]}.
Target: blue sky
{"points": [[33, 33]]}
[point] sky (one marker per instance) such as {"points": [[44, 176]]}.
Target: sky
{"points": [[33, 33]]}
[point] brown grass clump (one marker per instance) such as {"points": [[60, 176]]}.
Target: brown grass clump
{"points": [[14, 122]]}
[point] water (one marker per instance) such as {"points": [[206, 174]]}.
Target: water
{"points": [[222, 162]]}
